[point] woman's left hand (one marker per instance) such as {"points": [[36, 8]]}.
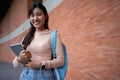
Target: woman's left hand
{"points": [[33, 64]]}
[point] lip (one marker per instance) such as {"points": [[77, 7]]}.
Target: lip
{"points": [[37, 22]]}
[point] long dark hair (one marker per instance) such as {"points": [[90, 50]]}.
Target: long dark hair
{"points": [[28, 38]]}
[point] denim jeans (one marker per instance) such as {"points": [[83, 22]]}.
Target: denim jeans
{"points": [[36, 74]]}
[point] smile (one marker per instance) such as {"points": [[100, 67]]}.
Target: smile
{"points": [[37, 22]]}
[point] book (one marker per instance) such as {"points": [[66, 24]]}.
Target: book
{"points": [[16, 48]]}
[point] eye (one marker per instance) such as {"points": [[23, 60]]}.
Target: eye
{"points": [[38, 14], [32, 15]]}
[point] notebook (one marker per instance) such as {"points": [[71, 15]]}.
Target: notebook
{"points": [[16, 48]]}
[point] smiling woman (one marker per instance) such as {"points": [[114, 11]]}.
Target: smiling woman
{"points": [[37, 43], [15, 32]]}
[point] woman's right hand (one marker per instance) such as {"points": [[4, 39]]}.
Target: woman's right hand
{"points": [[24, 56]]}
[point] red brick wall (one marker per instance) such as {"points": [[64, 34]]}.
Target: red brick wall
{"points": [[90, 29]]}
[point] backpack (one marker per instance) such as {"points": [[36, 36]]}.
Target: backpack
{"points": [[59, 72]]}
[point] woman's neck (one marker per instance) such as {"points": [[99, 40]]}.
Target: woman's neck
{"points": [[40, 29]]}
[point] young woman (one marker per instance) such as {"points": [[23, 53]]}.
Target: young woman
{"points": [[37, 44]]}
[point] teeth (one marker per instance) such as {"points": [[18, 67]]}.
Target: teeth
{"points": [[37, 22]]}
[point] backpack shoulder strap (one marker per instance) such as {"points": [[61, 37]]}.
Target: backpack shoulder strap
{"points": [[53, 42]]}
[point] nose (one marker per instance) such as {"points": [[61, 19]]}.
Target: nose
{"points": [[35, 17]]}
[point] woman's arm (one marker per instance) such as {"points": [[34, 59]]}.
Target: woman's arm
{"points": [[59, 61], [16, 63]]}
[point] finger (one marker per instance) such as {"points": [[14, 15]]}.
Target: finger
{"points": [[23, 54], [23, 51], [28, 65], [26, 56], [27, 51]]}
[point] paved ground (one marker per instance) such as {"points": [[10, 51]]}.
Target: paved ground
{"points": [[8, 72]]}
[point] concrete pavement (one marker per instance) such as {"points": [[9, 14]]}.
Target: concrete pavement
{"points": [[8, 72]]}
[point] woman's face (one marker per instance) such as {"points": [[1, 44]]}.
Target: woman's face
{"points": [[37, 18]]}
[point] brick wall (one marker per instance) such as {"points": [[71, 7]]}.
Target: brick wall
{"points": [[90, 30]]}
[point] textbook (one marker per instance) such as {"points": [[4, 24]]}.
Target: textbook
{"points": [[16, 48]]}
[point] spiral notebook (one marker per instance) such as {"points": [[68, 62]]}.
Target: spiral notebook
{"points": [[16, 48]]}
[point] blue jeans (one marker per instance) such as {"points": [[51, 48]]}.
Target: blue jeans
{"points": [[36, 74]]}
